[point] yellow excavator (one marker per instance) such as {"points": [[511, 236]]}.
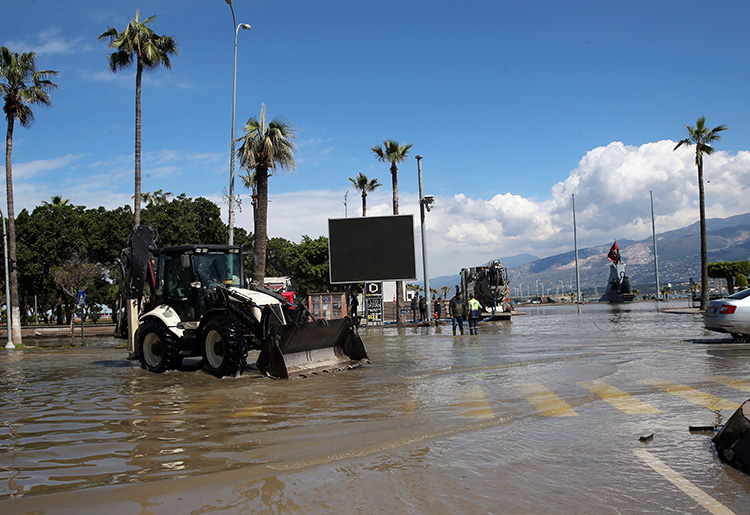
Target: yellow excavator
{"points": [[194, 302]]}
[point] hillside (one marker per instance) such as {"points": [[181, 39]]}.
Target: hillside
{"points": [[678, 253]]}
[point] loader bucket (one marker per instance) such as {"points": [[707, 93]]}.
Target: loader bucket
{"points": [[311, 348]]}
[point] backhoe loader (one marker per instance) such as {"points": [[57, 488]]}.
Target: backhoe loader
{"points": [[194, 302]]}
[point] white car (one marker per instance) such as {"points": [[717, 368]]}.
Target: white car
{"points": [[730, 315]]}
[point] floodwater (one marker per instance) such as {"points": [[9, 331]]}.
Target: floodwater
{"points": [[542, 414]]}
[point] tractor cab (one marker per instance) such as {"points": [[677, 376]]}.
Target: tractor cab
{"points": [[187, 273]]}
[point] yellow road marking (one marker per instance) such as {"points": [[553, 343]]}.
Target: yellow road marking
{"points": [[546, 402], [698, 495], [619, 399], [477, 406], [738, 384], [690, 394]]}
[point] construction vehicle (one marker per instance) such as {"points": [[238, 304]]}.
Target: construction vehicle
{"points": [[489, 285], [195, 303]]}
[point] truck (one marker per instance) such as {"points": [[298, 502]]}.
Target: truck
{"points": [[194, 301], [489, 285]]}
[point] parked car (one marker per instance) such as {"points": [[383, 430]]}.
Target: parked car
{"points": [[730, 315]]}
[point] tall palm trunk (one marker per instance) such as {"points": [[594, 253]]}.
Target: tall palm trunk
{"points": [[137, 196], [261, 223], [399, 284], [364, 204], [704, 243], [14, 311]]}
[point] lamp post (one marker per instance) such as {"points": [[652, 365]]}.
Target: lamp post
{"points": [[237, 28], [424, 203], [8, 345], [575, 244], [653, 235]]}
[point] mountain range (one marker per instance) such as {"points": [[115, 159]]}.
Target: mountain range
{"points": [[678, 254]]}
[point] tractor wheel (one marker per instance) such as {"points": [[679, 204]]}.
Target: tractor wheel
{"points": [[158, 349], [223, 346]]}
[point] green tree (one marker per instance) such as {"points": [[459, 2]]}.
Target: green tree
{"points": [[51, 233], [186, 220], [365, 186], [741, 281], [76, 274], [728, 270], [264, 147], [279, 257], [394, 153], [701, 137], [309, 265], [149, 51], [22, 87]]}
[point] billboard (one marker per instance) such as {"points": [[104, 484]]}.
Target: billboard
{"points": [[371, 249]]}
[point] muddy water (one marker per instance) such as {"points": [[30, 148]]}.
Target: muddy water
{"points": [[512, 420]]}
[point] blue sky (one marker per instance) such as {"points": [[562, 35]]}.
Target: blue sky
{"points": [[514, 106]]}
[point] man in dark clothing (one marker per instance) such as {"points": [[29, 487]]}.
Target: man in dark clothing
{"points": [[353, 306], [414, 308], [437, 310], [422, 308], [456, 310]]}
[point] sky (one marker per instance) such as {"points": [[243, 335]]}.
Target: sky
{"points": [[514, 106]]}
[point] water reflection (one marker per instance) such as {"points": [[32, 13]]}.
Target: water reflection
{"points": [[436, 416]]}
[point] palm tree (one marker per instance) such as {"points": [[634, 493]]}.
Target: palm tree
{"points": [[701, 137], [263, 148], [365, 185], [392, 152], [157, 198], [22, 87], [57, 201], [149, 50]]}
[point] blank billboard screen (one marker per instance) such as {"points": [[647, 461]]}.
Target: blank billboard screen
{"points": [[370, 249]]}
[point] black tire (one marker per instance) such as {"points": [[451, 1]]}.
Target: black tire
{"points": [[740, 338], [223, 346], [157, 347]]}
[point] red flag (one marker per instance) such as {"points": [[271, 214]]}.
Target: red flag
{"points": [[614, 253]]}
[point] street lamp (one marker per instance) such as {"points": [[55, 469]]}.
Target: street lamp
{"points": [[424, 202], [237, 28], [8, 345]]}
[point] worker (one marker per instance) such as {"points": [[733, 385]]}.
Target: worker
{"points": [[456, 310], [474, 307]]}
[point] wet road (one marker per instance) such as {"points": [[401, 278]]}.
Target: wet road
{"points": [[539, 415]]}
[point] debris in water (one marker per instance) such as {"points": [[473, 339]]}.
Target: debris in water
{"points": [[703, 429]]}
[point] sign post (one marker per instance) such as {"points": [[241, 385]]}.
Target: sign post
{"points": [[374, 303]]}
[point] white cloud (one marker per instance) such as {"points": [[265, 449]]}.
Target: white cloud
{"points": [[22, 171], [50, 42], [611, 186]]}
